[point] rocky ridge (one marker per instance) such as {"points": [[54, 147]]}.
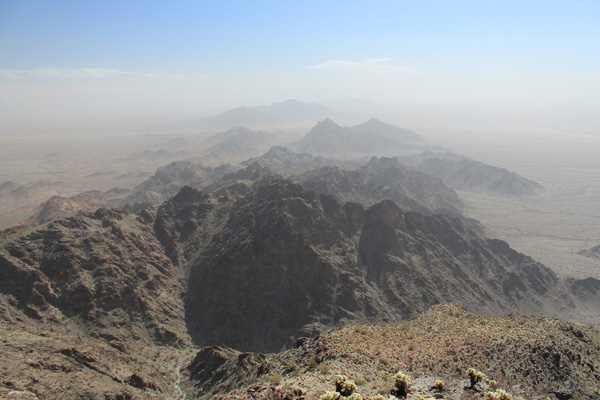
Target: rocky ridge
{"points": [[384, 178], [255, 264], [529, 357]]}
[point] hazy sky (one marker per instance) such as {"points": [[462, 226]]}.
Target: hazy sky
{"points": [[109, 65]]}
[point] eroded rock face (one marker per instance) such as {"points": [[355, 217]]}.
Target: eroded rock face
{"points": [[257, 263], [284, 262], [106, 272], [217, 369]]}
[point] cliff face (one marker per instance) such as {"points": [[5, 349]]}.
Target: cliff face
{"points": [[278, 261], [256, 265], [104, 273]]}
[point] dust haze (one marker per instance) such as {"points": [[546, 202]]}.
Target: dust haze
{"points": [[556, 226]]}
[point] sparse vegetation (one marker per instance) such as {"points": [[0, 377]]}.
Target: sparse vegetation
{"points": [[402, 383], [275, 379], [324, 369], [344, 386], [499, 394], [439, 385], [331, 395], [475, 377], [360, 382]]}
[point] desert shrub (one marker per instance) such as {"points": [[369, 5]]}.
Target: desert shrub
{"points": [[292, 365], [354, 396], [360, 381], [439, 385], [275, 379], [475, 376], [360, 329], [324, 369], [330, 396], [312, 363], [402, 383], [493, 384], [384, 361], [498, 395], [344, 386]]}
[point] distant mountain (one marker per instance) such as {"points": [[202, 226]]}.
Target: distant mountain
{"points": [[287, 162], [59, 206], [276, 114], [168, 180], [235, 145], [593, 252], [13, 191], [380, 179], [375, 126], [374, 137], [475, 176]]}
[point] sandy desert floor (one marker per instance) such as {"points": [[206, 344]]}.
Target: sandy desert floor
{"points": [[564, 219]]}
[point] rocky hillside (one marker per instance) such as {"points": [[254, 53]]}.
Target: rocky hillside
{"points": [[108, 304], [528, 357], [287, 162], [276, 261], [59, 206], [380, 179], [85, 303], [168, 180]]}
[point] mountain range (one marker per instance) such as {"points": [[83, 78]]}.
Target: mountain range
{"points": [[371, 138], [285, 113], [292, 274]]}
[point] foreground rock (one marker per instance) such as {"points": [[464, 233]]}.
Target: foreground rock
{"points": [[534, 358]]}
